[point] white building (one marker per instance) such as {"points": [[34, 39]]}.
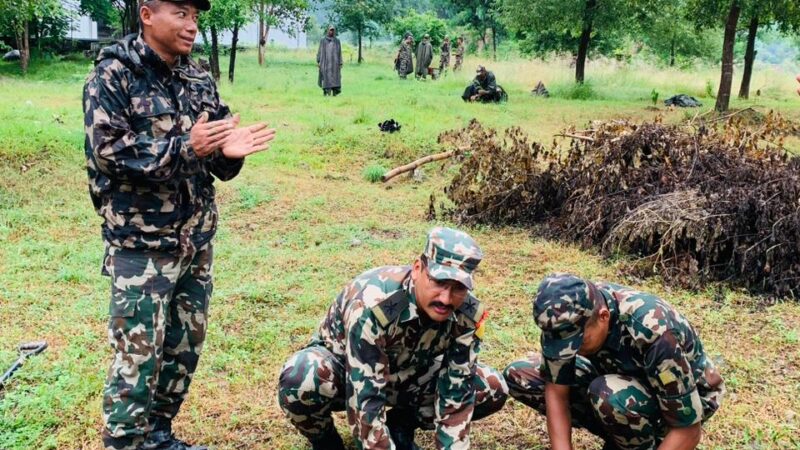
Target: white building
{"points": [[249, 37], [83, 28]]}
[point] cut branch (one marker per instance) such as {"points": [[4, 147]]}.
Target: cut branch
{"points": [[413, 165], [575, 136]]}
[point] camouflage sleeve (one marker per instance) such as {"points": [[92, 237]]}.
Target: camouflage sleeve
{"points": [[120, 152], [456, 393], [559, 371], [367, 364], [670, 373], [222, 167]]}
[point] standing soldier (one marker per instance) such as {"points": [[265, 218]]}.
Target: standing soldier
{"points": [[329, 62], [459, 54], [157, 135], [424, 56], [405, 337], [444, 58], [624, 365], [404, 62]]}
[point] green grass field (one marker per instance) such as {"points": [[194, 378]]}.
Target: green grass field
{"points": [[301, 220]]}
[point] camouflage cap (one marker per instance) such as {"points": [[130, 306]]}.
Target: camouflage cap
{"points": [[452, 255], [563, 305]]}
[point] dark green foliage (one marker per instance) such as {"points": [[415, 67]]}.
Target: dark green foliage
{"points": [[418, 25], [363, 17]]}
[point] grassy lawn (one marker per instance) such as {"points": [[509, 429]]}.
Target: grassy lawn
{"points": [[301, 220]]}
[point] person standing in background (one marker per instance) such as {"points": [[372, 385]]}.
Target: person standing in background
{"points": [[329, 62], [459, 54]]}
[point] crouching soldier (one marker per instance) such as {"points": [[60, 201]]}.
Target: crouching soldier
{"points": [[398, 350], [484, 88], [622, 364]]}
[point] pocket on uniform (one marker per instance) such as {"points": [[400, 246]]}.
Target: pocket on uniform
{"points": [[123, 304], [153, 115]]}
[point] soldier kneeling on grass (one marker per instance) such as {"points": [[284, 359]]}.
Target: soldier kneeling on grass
{"points": [[398, 350], [622, 364], [484, 88]]}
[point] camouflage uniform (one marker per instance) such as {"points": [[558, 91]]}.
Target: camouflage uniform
{"points": [[651, 374], [405, 60], [374, 349], [459, 57], [444, 58], [156, 198]]}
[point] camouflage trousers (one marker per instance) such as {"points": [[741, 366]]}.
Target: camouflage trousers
{"points": [[444, 63], [620, 409], [457, 65], [158, 311], [312, 385]]}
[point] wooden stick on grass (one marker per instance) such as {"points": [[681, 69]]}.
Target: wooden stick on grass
{"points": [[575, 136], [413, 165]]}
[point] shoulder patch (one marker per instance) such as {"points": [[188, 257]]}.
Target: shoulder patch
{"points": [[390, 308], [472, 308]]}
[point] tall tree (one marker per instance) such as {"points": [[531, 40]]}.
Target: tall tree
{"points": [[714, 13], [669, 34], [558, 25], [288, 15], [762, 14], [362, 17], [127, 10], [19, 17], [225, 15], [482, 16], [726, 78]]}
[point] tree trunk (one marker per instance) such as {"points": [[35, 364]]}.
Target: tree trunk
{"points": [[586, 36], [24, 48], [131, 16], [234, 41], [494, 42], [214, 53], [360, 58], [672, 53], [749, 58], [263, 33], [726, 79]]}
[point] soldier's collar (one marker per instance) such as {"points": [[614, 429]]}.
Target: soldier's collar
{"points": [[411, 312], [614, 324], [151, 58]]}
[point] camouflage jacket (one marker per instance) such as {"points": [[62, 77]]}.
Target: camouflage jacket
{"points": [[389, 349], [651, 341], [145, 180], [489, 83]]}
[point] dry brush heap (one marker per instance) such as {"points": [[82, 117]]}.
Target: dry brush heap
{"points": [[692, 203]]}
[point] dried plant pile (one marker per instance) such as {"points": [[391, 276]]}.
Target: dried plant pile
{"points": [[692, 203]]}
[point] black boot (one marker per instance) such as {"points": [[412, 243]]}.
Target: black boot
{"points": [[161, 438], [330, 440], [402, 424]]}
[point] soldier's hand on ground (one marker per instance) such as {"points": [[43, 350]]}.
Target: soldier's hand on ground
{"points": [[248, 140], [205, 136]]}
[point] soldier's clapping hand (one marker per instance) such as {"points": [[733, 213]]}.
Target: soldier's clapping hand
{"points": [[245, 141], [206, 137]]}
